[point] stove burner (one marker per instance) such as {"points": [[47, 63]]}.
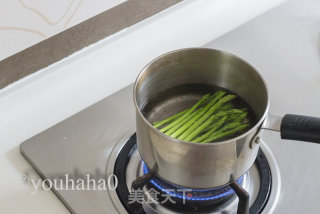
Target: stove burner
{"points": [[122, 190], [191, 194]]}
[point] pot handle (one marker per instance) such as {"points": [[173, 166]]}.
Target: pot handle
{"points": [[295, 127], [299, 127]]}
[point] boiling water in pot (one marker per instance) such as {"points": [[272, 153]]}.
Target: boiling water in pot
{"points": [[177, 99]]}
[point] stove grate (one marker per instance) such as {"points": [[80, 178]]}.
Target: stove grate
{"points": [[191, 194]]}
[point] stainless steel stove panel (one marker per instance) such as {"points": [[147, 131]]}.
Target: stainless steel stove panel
{"points": [[83, 143]]}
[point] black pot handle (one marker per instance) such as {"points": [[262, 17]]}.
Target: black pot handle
{"points": [[298, 127]]}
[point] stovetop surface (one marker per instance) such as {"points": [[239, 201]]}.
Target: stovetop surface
{"points": [[89, 143]]}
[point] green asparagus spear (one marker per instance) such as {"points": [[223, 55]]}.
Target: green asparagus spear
{"points": [[224, 134], [215, 98], [216, 126], [232, 118], [199, 129], [175, 116], [169, 119], [225, 107], [213, 109], [226, 127], [203, 99], [211, 126], [222, 116], [237, 117], [170, 131]]}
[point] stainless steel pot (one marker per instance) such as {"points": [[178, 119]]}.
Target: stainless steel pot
{"points": [[205, 165]]}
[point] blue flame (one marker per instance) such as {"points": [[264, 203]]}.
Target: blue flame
{"points": [[196, 194]]}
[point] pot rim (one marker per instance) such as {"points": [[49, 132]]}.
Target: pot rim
{"points": [[256, 126]]}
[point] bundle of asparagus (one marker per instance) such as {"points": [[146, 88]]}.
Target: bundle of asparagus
{"points": [[211, 118]]}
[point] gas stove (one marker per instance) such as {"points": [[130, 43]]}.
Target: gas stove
{"points": [[162, 197], [101, 139]]}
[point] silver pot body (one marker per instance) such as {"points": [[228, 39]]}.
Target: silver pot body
{"points": [[199, 165]]}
